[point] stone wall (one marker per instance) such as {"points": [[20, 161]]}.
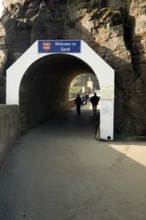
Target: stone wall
{"points": [[9, 129], [33, 114]]}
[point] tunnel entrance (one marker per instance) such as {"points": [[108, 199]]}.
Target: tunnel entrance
{"points": [[44, 88], [39, 82]]}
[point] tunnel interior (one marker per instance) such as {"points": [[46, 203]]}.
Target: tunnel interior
{"points": [[44, 88]]}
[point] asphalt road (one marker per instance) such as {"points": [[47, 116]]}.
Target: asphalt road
{"points": [[59, 171]]}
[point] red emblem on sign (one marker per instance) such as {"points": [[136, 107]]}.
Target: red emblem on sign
{"points": [[46, 45]]}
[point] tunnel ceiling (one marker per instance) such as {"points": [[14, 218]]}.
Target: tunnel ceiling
{"points": [[59, 67]]}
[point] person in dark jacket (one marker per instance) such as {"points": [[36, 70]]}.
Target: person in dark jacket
{"points": [[94, 100], [78, 103]]}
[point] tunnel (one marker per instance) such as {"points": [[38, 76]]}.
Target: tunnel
{"points": [[38, 82], [44, 88]]}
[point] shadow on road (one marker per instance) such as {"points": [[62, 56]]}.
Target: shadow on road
{"points": [[70, 124]]}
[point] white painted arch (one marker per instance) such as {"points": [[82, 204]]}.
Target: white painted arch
{"points": [[102, 70]]}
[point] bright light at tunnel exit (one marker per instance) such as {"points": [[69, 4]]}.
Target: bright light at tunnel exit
{"points": [[80, 85]]}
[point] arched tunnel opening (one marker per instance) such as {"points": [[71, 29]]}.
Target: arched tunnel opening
{"points": [[44, 88]]}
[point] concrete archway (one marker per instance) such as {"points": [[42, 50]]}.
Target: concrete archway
{"points": [[59, 68]]}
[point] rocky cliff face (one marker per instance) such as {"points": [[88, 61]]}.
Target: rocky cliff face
{"points": [[116, 30]]}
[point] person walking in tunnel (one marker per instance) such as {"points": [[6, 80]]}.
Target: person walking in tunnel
{"points": [[78, 103], [94, 100]]}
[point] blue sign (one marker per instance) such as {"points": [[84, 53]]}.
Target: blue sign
{"points": [[59, 46]]}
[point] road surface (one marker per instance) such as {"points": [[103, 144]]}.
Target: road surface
{"points": [[59, 171]]}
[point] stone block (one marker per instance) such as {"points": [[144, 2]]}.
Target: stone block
{"points": [[9, 129]]}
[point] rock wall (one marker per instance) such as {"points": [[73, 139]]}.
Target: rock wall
{"points": [[116, 30], [137, 18], [9, 129]]}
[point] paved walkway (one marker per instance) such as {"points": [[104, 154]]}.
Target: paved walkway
{"points": [[59, 171]]}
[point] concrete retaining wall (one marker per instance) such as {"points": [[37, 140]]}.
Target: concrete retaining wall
{"points": [[9, 129]]}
